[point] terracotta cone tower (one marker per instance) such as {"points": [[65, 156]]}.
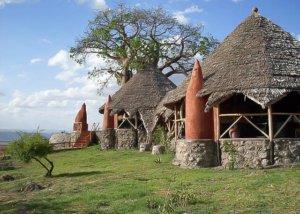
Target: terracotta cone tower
{"points": [[81, 120], [108, 121], [199, 125]]}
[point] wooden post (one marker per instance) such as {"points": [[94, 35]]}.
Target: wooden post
{"points": [[270, 124], [175, 122], [216, 123], [216, 113], [135, 121]]}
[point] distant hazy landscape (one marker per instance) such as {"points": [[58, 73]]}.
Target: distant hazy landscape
{"points": [[8, 135]]}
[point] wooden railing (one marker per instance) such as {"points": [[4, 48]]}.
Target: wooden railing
{"points": [[246, 116]]}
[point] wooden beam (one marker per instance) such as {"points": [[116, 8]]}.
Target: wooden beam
{"points": [[175, 122], [296, 118], [283, 113], [255, 126], [135, 121], [181, 111], [271, 144], [283, 125], [270, 123], [238, 114], [216, 123], [231, 126]]}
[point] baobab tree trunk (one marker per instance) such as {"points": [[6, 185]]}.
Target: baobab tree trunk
{"points": [[126, 73]]}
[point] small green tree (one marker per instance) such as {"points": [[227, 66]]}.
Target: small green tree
{"points": [[160, 137], [230, 149], [32, 146]]}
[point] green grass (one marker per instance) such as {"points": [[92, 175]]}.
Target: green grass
{"points": [[94, 181]]}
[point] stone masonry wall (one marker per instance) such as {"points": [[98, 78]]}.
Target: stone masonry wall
{"points": [[142, 136], [195, 154], [106, 138], [126, 139], [249, 153], [286, 151]]}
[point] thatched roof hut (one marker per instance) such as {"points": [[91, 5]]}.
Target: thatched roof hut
{"points": [[258, 59], [141, 94]]}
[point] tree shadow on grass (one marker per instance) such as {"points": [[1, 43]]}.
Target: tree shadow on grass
{"points": [[77, 174], [35, 206]]}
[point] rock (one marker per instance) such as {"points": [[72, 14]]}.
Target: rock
{"points": [[173, 145], [32, 187], [158, 149], [7, 178], [145, 147]]}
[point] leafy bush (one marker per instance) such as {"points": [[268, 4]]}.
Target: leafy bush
{"points": [[230, 149], [160, 137], [180, 198], [32, 146]]}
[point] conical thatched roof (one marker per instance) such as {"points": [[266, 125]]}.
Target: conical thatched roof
{"points": [[177, 94], [258, 59], [142, 93]]}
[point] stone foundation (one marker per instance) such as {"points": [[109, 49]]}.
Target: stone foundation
{"points": [[286, 151], [106, 138], [249, 153], [145, 147], [195, 154], [126, 139]]}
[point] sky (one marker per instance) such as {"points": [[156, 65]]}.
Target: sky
{"points": [[40, 86]]}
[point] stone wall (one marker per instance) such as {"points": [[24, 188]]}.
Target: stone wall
{"points": [[142, 136], [74, 136], [60, 141], [249, 153], [106, 138], [286, 151], [61, 146], [126, 138], [195, 154]]}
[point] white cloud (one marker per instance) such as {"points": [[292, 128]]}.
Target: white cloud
{"points": [[94, 4], [35, 60], [181, 18], [192, 9], [298, 37], [181, 15], [69, 66], [57, 107], [6, 2], [236, 1]]}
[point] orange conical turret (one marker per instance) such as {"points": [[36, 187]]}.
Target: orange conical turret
{"points": [[81, 120], [108, 121], [199, 125]]}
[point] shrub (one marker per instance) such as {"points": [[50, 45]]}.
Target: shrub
{"points": [[160, 137], [32, 146]]}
